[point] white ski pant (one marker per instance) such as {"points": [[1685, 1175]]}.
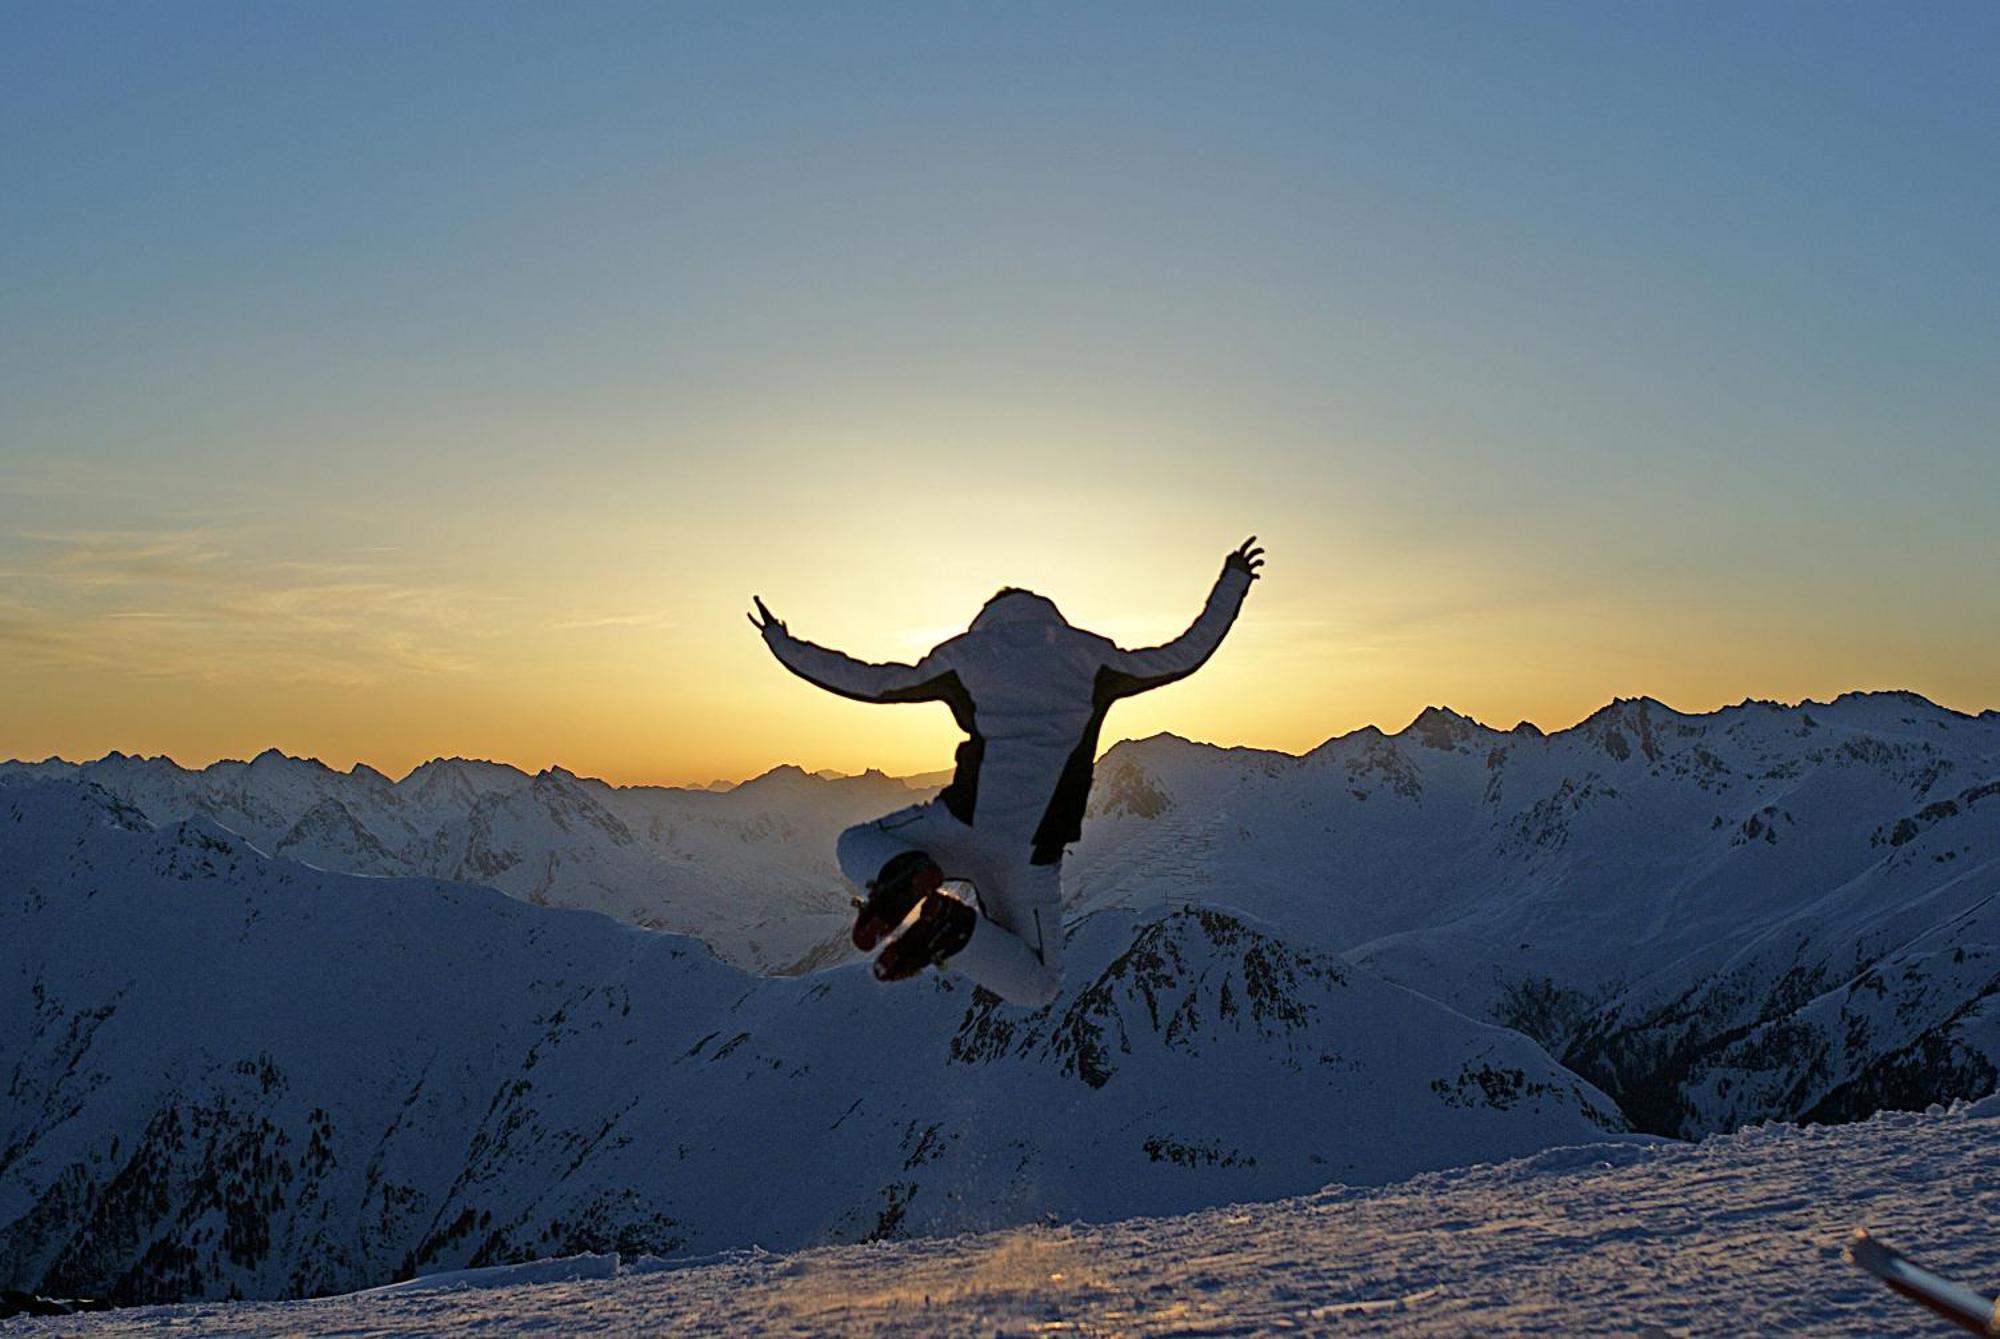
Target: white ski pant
{"points": [[1016, 948]]}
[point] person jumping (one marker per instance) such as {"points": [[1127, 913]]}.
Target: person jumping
{"points": [[1031, 693]]}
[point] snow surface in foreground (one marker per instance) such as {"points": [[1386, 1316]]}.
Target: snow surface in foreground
{"points": [[1738, 1234]]}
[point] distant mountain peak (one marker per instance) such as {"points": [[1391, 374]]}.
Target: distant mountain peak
{"points": [[1892, 699], [273, 759], [1441, 728], [1167, 742], [464, 767], [459, 762], [1885, 694]]}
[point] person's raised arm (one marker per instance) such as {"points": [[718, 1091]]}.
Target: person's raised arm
{"points": [[843, 674], [1137, 671]]}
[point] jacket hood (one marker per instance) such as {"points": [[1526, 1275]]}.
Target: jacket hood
{"points": [[1019, 607]]}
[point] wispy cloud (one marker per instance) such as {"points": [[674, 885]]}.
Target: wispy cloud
{"points": [[182, 604], [32, 639], [54, 476], [98, 558], [648, 619]]}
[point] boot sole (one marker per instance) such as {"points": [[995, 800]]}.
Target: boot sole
{"points": [[891, 964], [871, 929]]}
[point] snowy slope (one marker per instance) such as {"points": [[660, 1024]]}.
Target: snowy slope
{"points": [[1740, 1234], [233, 1073]]}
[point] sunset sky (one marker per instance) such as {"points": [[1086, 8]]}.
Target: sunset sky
{"points": [[387, 381]]}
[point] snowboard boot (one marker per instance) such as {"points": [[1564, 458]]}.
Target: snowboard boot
{"points": [[903, 882], [942, 929]]}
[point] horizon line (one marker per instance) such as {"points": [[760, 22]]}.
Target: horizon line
{"points": [[1524, 728]]}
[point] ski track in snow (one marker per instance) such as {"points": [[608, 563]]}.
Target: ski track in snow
{"points": [[1739, 1234]]}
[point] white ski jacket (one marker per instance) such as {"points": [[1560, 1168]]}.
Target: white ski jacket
{"points": [[1031, 693]]}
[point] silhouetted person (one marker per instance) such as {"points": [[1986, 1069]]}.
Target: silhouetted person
{"points": [[1031, 693]]}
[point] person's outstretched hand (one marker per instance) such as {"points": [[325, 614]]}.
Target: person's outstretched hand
{"points": [[1246, 559], [764, 618]]}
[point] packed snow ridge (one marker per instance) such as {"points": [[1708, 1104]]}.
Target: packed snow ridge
{"points": [[1739, 1234], [1394, 954]]}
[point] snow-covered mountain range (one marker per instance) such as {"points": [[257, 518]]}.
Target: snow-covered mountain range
{"points": [[748, 868], [1763, 912], [1286, 971]]}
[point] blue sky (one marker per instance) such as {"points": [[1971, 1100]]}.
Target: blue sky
{"points": [[1504, 320]]}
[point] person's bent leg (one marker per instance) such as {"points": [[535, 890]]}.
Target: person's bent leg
{"points": [[1001, 961], [1022, 964], [863, 849], [895, 860]]}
